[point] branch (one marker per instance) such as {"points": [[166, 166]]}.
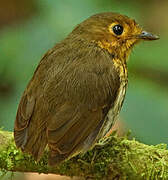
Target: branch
{"points": [[112, 158]]}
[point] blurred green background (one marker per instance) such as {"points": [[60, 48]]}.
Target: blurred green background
{"points": [[28, 28]]}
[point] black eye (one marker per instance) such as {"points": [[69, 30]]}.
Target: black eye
{"points": [[118, 29]]}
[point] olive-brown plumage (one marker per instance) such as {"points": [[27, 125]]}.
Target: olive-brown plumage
{"points": [[78, 88]]}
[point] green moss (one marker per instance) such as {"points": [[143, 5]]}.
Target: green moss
{"points": [[112, 158]]}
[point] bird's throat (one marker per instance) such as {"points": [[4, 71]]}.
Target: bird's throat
{"points": [[119, 52]]}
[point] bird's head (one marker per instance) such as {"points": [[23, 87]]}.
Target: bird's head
{"points": [[114, 32]]}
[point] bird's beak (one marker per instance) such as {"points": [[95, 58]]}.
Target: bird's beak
{"points": [[147, 36]]}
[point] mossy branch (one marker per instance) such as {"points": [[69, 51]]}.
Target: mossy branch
{"points": [[113, 158]]}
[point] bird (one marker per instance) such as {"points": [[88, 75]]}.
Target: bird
{"points": [[78, 88]]}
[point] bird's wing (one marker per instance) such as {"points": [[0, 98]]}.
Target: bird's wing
{"points": [[78, 104], [67, 135]]}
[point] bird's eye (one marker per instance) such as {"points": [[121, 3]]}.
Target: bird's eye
{"points": [[118, 29]]}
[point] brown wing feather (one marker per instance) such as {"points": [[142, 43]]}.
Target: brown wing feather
{"points": [[24, 113], [66, 140], [74, 127]]}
